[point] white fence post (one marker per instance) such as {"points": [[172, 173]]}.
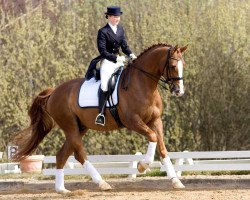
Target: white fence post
{"points": [[1, 155], [133, 164], [178, 162], [190, 161], [181, 161]]}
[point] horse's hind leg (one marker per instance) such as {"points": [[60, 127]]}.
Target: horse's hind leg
{"points": [[74, 144], [80, 156], [64, 153], [61, 159]]}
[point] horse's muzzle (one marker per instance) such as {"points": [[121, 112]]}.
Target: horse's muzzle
{"points": [[175, 91]]}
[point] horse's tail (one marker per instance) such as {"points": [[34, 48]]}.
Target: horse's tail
{"points": [[41, 124]]}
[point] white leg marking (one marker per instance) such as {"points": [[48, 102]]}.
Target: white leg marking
{"points": [[143, 165], [169, 168], [90, 169], [59, 185], [176, 183], [150, 152], [96, 177]]}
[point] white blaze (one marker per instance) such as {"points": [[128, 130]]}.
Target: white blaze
{"points": [[180, 74]]}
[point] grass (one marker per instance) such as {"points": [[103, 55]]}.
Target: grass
{"points": [[153, 173]]}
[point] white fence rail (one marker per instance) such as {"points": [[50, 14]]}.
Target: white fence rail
{"points": [[183, 161], [105, 164], [210, 161], [6, 168]]}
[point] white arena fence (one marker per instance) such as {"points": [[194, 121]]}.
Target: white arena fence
{"points": [[183, 161]]}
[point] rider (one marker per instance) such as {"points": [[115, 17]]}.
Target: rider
{"points": [[109, 40]]}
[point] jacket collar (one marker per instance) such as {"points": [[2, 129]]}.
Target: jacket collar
{"points": [[114, 28], [112, 34]]}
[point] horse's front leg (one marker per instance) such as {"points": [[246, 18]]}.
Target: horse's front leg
{"points": [[140, 127], [144, 164], [157, 126]]}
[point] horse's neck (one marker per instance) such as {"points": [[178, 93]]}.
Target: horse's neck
{"points": [[140, 82], [146, 72]]}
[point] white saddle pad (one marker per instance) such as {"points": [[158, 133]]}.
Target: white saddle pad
{"points": [[88, 95]]}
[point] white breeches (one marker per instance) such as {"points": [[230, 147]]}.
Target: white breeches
{"points": [[107, 69]]}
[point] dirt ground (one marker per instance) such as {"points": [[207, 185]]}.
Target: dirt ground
{"points": [[142, 188]]}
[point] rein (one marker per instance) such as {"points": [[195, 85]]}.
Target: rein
{"points": [[153, 77]]}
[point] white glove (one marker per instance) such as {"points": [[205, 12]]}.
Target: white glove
{"points": [[120, 59], [132, 56]]}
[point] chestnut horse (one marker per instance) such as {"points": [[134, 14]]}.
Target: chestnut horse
{"points": [[139, 108]]}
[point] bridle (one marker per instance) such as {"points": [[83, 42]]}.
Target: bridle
{"points": [[169, 80], [167, 68]]}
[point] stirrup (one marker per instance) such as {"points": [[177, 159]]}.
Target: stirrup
{"points": [[100, 119]]}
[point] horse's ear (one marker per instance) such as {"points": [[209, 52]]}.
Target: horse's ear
{"points": [[174, 49], [184, 48]]}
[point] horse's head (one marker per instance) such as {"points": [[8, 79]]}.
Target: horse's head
{"points": [[173, 70]]}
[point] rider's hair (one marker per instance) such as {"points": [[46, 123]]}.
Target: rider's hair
{"points": [[106, 16]]}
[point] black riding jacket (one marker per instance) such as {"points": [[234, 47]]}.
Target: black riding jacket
{"points": [[109, 45]]}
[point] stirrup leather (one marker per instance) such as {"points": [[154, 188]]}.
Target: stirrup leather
{"points": [[100, 119]]}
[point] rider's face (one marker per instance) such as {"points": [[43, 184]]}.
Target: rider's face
{"points": [[114, 20]]}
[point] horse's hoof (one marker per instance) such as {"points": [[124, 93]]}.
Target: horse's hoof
{"points": [[142, 166], [103, 185], [63, 191], [177, 184]]}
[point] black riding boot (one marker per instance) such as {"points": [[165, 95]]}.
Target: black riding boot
{"points": [[100, 119]]}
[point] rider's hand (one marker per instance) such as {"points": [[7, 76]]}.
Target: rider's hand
{"points": [[132, 56], [120, 59]]}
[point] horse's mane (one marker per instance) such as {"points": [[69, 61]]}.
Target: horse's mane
{"points": [[126, 77], [152, 47]]}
